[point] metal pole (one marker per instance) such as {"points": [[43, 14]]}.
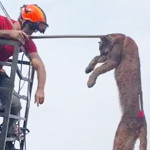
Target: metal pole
{"points": [[65, 36]]}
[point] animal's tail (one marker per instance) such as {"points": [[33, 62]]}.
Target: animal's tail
{"points": [[143, 128], [143, 136]]}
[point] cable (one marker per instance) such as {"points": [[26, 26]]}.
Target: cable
{"points": [[6, 14]]}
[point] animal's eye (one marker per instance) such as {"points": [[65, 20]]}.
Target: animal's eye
{"points": [[100, 43]]}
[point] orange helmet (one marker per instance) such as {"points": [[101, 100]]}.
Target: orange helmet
{"points": [[34, 14]]}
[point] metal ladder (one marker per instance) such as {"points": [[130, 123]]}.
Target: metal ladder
{"points": [[6, 115]]}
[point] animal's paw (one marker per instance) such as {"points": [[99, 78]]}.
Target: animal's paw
{"points": [[91, 83], [88, 69]]}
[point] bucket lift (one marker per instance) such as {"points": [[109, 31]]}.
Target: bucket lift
{"points": [[6, 114]]}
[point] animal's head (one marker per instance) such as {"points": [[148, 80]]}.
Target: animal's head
{"points": [[105, 46]]}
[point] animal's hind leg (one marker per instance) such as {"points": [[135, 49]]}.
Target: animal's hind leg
{"points": [[143, 137], [125, 137]]}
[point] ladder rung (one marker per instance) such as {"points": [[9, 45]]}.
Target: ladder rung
{"points": [[5, 63], [14, 138], [13, 116], [17, 117], [21, 62], [20, 96], [4, 88]]}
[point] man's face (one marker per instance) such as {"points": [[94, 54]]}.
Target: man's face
{"points": [[104, 47], [30, 27]]}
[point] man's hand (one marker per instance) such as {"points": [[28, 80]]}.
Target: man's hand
{"points": [[41, 76], [39, 96], [18, 35]]}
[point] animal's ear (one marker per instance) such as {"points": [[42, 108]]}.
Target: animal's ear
{"points": [[105, 38]]}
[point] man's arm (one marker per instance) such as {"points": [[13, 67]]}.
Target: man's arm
{"points": [[41, 76], [14, 35]]}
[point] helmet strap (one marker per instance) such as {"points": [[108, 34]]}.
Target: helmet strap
{"points": [[22, 22]]}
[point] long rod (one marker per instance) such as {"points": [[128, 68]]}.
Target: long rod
{"points": [[65, 36], [48, 36]]}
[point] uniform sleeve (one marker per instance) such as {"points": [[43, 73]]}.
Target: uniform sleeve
{"points": [[30, 46], [2, 20]]}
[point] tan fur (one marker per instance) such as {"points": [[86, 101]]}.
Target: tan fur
{"points": [[120, 52]]}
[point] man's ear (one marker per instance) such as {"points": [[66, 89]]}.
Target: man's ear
{"points": [[105, 38]]}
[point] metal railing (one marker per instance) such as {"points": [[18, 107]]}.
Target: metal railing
{"points": [[6, 115]]}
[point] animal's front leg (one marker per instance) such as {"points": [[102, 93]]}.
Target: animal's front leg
{"points": [[109, 65], [92, 64]]}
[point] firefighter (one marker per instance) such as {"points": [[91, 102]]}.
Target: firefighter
{"points": [[32, 19]]}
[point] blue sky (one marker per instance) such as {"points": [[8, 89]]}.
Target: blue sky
{"points": [[74, 117]]}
